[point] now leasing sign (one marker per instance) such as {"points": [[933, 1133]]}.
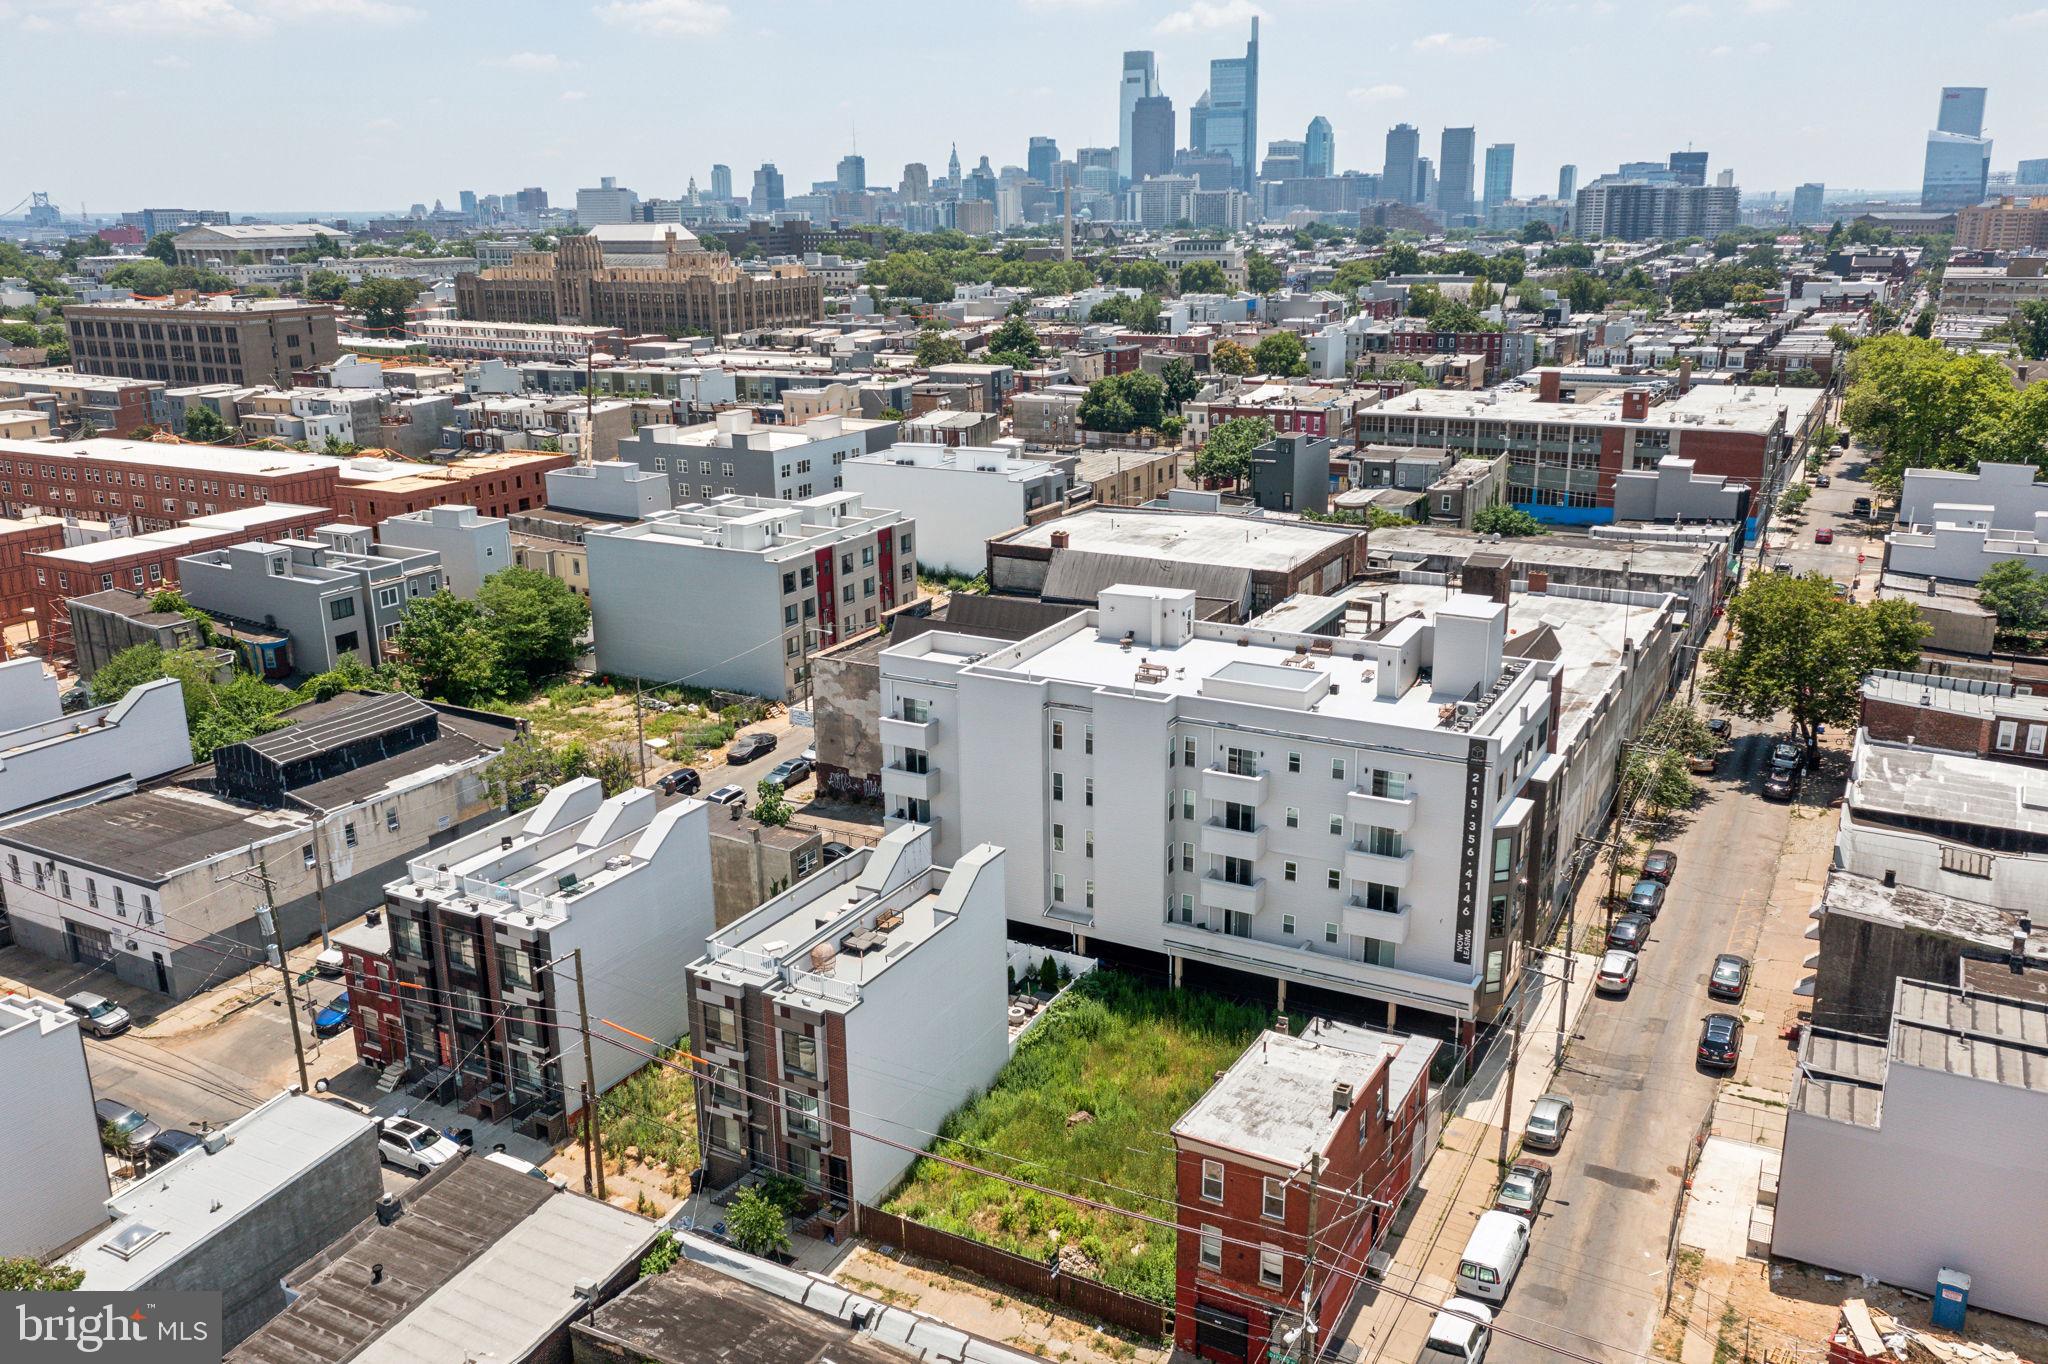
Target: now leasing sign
{"points": [[110, 1328]]}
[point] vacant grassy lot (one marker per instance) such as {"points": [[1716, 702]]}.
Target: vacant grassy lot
{"points": [[1131, 1059], [597, 712]]}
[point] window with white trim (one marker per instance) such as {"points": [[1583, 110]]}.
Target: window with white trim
{"points": [[1212, 1181]]}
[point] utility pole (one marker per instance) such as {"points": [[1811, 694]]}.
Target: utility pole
{"points": [[1564, 998], [1507, 1113], [266, 919], [1305, 1349], [639, 738], [593, 1138], [320, 875]]}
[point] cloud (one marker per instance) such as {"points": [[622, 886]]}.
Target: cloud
{"points": [[223, 18], [170, 62], [1765, 6], [1455, 44], [667, 18], [1689, 11], [1204, 15], [2033, 18], [1380, 93], [571, 96], [527, 61]]}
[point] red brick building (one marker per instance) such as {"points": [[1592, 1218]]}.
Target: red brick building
{"points": [[495, 484], [374, 1014], [1982, 719], [157, 484], [1321, 1136], [18, 540]]}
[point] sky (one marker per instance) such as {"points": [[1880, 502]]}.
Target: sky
{"points": [[373, 104]]}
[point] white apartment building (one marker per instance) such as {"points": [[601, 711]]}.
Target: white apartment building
{"points": [[46, 755], [1963, 543], [869, 995], [963, 496], [736, 454], [1245, 801], [57, 1187], [511, 340], [475, 924], [738, 592], [615, 488], [2008, 494], [471, 547]]}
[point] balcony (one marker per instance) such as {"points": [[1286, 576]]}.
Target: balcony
{"points": [[1241, 788], [1233, 896], [908, 733], [1360, 865], [1317, 964], [1220, 840], [1386, 812], [897, 781], [1366, 922]]}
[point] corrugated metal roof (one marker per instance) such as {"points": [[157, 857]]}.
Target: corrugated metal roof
{"points": [[1078, 575], [1987, 1037]]}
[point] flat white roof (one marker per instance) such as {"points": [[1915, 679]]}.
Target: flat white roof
{"points": [[1257, 543], [210, 459], [1745, 407], [1277, 1100]]}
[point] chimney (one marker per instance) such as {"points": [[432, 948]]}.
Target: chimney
{"points": [[1340, 1098], [388, 1209], [1685, 374], [1635, 404], [1059, 539], [1539, 580], [1549, 387]]}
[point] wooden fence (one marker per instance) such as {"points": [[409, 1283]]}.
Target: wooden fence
{"points": [[1097, 1300]]}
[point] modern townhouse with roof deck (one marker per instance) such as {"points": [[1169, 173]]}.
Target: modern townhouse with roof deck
{"points": [[1332, 820]]}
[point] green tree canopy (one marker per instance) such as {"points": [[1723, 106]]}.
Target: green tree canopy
{"points": [[536, 620], [2028, 328], [1922, 406], [1015, 337], [26, 1274], [164, 247], [1181, 383], [325, 286], [1800, 649], [382, 302], [935, 347], [771, 804], [448, 649], [755, 1225], [153, 278], [1503, 519], [2017, 595], [1280, 353], [1203, 277], [1261, 275], [1146, 276], [1124, 402], [203, 423], [1228, 451], [1228, 357]]}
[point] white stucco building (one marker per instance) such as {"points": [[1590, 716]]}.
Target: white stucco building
{"points": [[471, 547], [1346, 815], [56, 1174], [46, 754], [962, 495]]}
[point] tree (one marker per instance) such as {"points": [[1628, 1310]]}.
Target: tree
{"points": [[1354, 275], [382, 302], [1231, 358], [771, 803], [26, 1274], [1178, 377], [1923, 406], [325, 286], [662, 1255], [935, 347], [1203, 277], [1124, 402], [1799, 648], [1410, 370], [2028, 328], [2017, 595], [1015, 337], [449, 650], [1146, 276], [756, 1225], [1453, 315], [202, 423], [1261, 275], [1280, 353], [535, 619], [1228, 451], [1505, 520], [1537, 231], [164, 247]]}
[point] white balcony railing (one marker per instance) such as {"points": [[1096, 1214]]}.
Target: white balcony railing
{"points": [[1361, 865], [1233, 896], [1385, 812], [1242, 788], [1220, 840]]}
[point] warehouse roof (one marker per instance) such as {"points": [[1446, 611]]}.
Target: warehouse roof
{"points": [[1261, 544]]}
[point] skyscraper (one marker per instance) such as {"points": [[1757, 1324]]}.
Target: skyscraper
{"points": [[1198, 124], [1151, 141], [1962, 110], [1397, 181], [1140, 81], [917, 183], [1500, 174], [721, 183], [1567, 182], [767, 189], [953, 166], [1425, 180], [1321, 158], [1232, 127], [1690, 168], [1286, 159], [1039, 160], [1454, 172], [2031, 172], [853, 174], [1806, 204], [468, 200]]}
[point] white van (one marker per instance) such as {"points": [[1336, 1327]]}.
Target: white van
{"points": [[1459, 1334], [1493, 1255]]}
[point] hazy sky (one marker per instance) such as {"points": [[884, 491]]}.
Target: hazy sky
{"points": [[359, 104]]}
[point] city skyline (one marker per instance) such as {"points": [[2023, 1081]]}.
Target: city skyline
{"points": [[582, 79]]}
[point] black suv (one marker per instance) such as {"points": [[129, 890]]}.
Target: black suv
{"points": [[1720, 1041], [748, 747]]}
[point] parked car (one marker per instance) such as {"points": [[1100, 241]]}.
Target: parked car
{"points": [[1823, 536], [170, 1144], [1617, 974], [1493, 1255], [134, 1127], [412, 1145], [1704, 763], [1721, 727], [1783, 566], [75, 697], [1822, 481], [1720, 1041], [1629, 932], [788, 772], [1781, 784], [1459, 1334], [1786, 753], [728, 795], [330, 963], [810, 755], [1549, 1120], [1661, 865], [835, 850], [1523, 1191], [1861, 507], [334, 1017], [748, 747], [1729, 978], [99, 1015], [1646, 897], [685, 780]]}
